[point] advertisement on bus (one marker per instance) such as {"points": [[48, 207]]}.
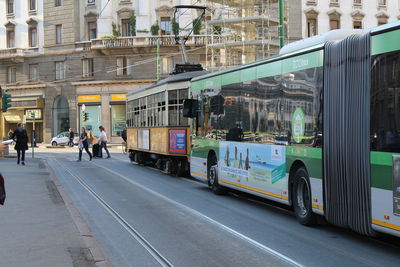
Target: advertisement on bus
{"points": [[252, 163]]}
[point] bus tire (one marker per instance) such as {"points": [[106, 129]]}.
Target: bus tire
{"points": [[302, 200], [212, 176]]}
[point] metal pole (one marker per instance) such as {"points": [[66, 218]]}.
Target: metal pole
{"points": [[281, 25], [158, 61]]}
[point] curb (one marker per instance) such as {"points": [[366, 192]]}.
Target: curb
{"points": [[91, 243]]}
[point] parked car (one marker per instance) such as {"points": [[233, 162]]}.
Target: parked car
{"points": [[63, 139]]}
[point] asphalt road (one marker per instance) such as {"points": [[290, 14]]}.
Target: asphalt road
{"points": [[143, 217]]}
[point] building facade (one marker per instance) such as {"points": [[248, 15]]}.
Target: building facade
{"points": [[58, 57], [320, 16]]}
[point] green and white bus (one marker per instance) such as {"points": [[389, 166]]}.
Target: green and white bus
{"points": [[317, 127]]}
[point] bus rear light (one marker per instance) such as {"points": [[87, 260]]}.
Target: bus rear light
{"points": [[204, 163], [387, 217]]}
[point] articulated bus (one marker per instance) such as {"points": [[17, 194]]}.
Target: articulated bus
{"points": [[317, 127]]}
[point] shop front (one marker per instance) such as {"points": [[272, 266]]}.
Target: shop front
{"points": [[118, 115], [91, 104], [28, 111]]}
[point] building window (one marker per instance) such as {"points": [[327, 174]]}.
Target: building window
{"points": [[10, 39], [167, 65], [33, 72], [10, 6], [124, 66], [311, 27], [357, 24], [32, 5], [334, 2], [334, 24], [126, 27], [165, 25], [92, 29], [118, 119], [32, 37], [57, 3], [382, 3], [60, 70], [58, 34], [87, 67], [11, 74]]}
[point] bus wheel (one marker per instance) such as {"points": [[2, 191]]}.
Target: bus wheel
{"points": [[302, 197], [212, 176]]}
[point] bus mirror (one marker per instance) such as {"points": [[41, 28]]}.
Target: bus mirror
{"points": [[217, 105], [190, 108]]}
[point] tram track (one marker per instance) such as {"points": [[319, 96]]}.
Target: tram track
{"points": [[225, 228], [163, 261], [98, 181]]}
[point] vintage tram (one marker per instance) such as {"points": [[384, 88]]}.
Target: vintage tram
{"points": [[158, 133]]}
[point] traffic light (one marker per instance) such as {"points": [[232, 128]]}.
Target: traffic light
{"points": [[5, 102], [85, 116]]}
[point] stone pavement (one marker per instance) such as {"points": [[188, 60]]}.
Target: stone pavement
{"points": [[36, 226]]}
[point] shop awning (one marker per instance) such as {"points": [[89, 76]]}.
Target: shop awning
{"points": [[12, 118]]}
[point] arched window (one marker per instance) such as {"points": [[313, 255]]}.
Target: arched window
{"points": [[60, 115]]}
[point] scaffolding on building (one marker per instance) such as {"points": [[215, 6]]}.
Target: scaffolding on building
{"points": [[242, 31]]}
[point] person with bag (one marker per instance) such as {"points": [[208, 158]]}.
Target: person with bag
{"points": [[103, 141], [83, 144], [21, 144], [2, 190]]}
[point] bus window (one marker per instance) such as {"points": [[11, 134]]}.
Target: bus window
{"points": [[385, 103]]}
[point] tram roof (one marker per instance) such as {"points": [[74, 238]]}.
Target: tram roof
{"points": [[182, 77]]}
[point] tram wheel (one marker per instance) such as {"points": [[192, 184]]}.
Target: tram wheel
{"points": [[181, 168], [302, 200]]}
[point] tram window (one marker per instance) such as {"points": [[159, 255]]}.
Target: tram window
{"points": [[385, 104]]}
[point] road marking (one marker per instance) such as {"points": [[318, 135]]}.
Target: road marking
{"points": [[254, 189], [135, 234], [216, 223]]}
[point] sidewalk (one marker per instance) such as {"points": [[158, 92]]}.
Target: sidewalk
{"points": [[36, 228]]}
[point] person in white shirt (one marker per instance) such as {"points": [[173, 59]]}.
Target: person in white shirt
{"points": [[103, 141]]}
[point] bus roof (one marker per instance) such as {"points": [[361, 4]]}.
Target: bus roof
{"points": [[187, 76], [386, 27]]}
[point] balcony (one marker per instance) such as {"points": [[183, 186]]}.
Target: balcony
{"points": [[221, 41], [17, 54], [148, 41]]}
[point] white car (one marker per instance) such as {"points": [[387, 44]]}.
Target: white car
{"points": [[63, 139]]}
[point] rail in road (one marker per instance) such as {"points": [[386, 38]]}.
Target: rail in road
{"points": [[269, 256], [243, 231]]}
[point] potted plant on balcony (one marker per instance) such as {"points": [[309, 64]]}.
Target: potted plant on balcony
{"points": [[155, 29], [197, 26]]}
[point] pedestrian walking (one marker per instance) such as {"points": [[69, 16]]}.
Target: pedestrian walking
{"points": [[103, 141], [21, 145], [83, 144], [91, 138], [71, 137], [10, 133]]}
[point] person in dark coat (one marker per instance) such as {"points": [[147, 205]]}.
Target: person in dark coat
{"points": [[85, 145], [21, 145], [71, 137]]}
